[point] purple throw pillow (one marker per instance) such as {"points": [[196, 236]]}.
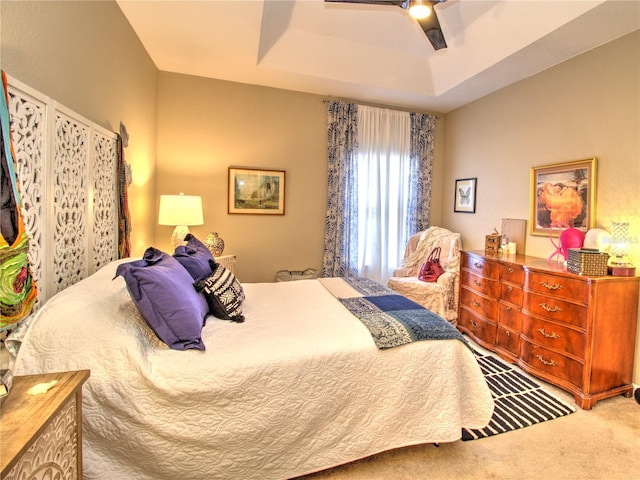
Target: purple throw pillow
{"points": [[195, 257], [164, 294]]}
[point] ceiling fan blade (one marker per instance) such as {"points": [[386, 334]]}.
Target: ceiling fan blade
{"points": [[430, 25], [432, 29], [397, 3]]}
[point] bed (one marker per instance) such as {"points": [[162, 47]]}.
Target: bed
{"points": [[297, 387]]}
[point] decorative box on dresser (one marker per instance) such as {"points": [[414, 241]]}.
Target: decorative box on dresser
{"points": [[41, 434], [576, 332]]}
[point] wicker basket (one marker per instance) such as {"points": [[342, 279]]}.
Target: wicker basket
{"points": [[587, 262]]}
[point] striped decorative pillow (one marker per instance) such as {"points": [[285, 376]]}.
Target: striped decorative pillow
{"points": [[224, 294]]}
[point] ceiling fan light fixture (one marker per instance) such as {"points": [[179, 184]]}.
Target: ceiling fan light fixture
{"points": [[419, 9]]}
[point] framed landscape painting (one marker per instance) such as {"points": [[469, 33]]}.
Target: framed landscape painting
{"points": [[256, 191], [563, 196]]}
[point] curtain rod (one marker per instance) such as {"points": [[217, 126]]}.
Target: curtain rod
{"points": [[325, 100]]}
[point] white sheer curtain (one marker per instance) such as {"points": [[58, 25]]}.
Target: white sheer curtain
{"points": [[383, 176]]}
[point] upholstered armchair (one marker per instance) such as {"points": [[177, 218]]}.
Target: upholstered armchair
{"points": [[440, 297]]}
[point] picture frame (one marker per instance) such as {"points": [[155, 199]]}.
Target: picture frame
{"points": [[256, 191], [563, 195], [465, 195]]}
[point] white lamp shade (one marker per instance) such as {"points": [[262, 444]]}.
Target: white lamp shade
{"points": [[180, 210]]}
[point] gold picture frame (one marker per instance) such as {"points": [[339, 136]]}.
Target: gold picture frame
{"points": [[563, 195], [256, 191]]}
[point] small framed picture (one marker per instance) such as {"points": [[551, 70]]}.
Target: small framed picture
{"points": [[563, 196], [256, 191], [465, 195]]}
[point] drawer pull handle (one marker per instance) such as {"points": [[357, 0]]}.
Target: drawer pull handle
{"points": [[475, 325], [508, 309], [548, 335], [510, 269], [477, 283], [475, 302], [510, 288], [508, 333], [553, 309], [549, 363], [547, 285], [478, 265]]}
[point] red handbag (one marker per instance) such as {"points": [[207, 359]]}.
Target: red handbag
{"points": [[431, 269]]}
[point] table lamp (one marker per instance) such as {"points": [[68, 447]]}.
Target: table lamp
{"points": [[181, 211], [620, 245]]}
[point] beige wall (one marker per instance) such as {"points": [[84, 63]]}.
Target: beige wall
{"points": [[586, 107], [85, 56], [205, 126]]}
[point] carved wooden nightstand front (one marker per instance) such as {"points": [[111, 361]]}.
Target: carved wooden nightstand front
{"points": [[41, 434]]}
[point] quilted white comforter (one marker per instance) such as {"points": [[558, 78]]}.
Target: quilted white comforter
{"points": [[298, 387]]}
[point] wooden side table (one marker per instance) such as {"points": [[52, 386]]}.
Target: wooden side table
{"points": [[41, 435], [228, 262]]}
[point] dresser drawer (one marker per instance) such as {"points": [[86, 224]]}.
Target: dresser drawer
{"points": [[509, 340], [556, 309], [480, 284], [573, 288], [483, 306], [551, 363], [554, 336], [482, 266], [509, 316], [511, 293], [477, 326], [512, 273]]}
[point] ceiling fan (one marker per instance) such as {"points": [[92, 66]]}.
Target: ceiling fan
{"points": [[421, 10]]}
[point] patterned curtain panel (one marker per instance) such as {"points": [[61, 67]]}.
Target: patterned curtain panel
{"points": [[341, 234], [423, 129]]}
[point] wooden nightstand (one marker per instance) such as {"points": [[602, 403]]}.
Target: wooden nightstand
{"points": [[228, 262], [41, 435]]}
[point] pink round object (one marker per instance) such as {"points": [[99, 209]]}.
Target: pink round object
{"points": [[570, 238]]}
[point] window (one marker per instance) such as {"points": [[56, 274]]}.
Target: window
{"points": [[379, 187]]}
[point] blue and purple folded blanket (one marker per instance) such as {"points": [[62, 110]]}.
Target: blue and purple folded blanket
{"points": [[392, 319]]}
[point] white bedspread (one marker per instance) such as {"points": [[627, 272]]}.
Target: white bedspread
{"points": [[298, 387]]}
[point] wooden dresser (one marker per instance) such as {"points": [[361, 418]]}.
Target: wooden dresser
{"points": [[573, 331], [42, 434]]}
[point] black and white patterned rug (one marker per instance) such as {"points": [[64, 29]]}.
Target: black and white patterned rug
{"points": [[519, 401]]}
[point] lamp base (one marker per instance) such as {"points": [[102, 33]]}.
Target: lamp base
{"points": [[179, 233], [622, 271]]}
